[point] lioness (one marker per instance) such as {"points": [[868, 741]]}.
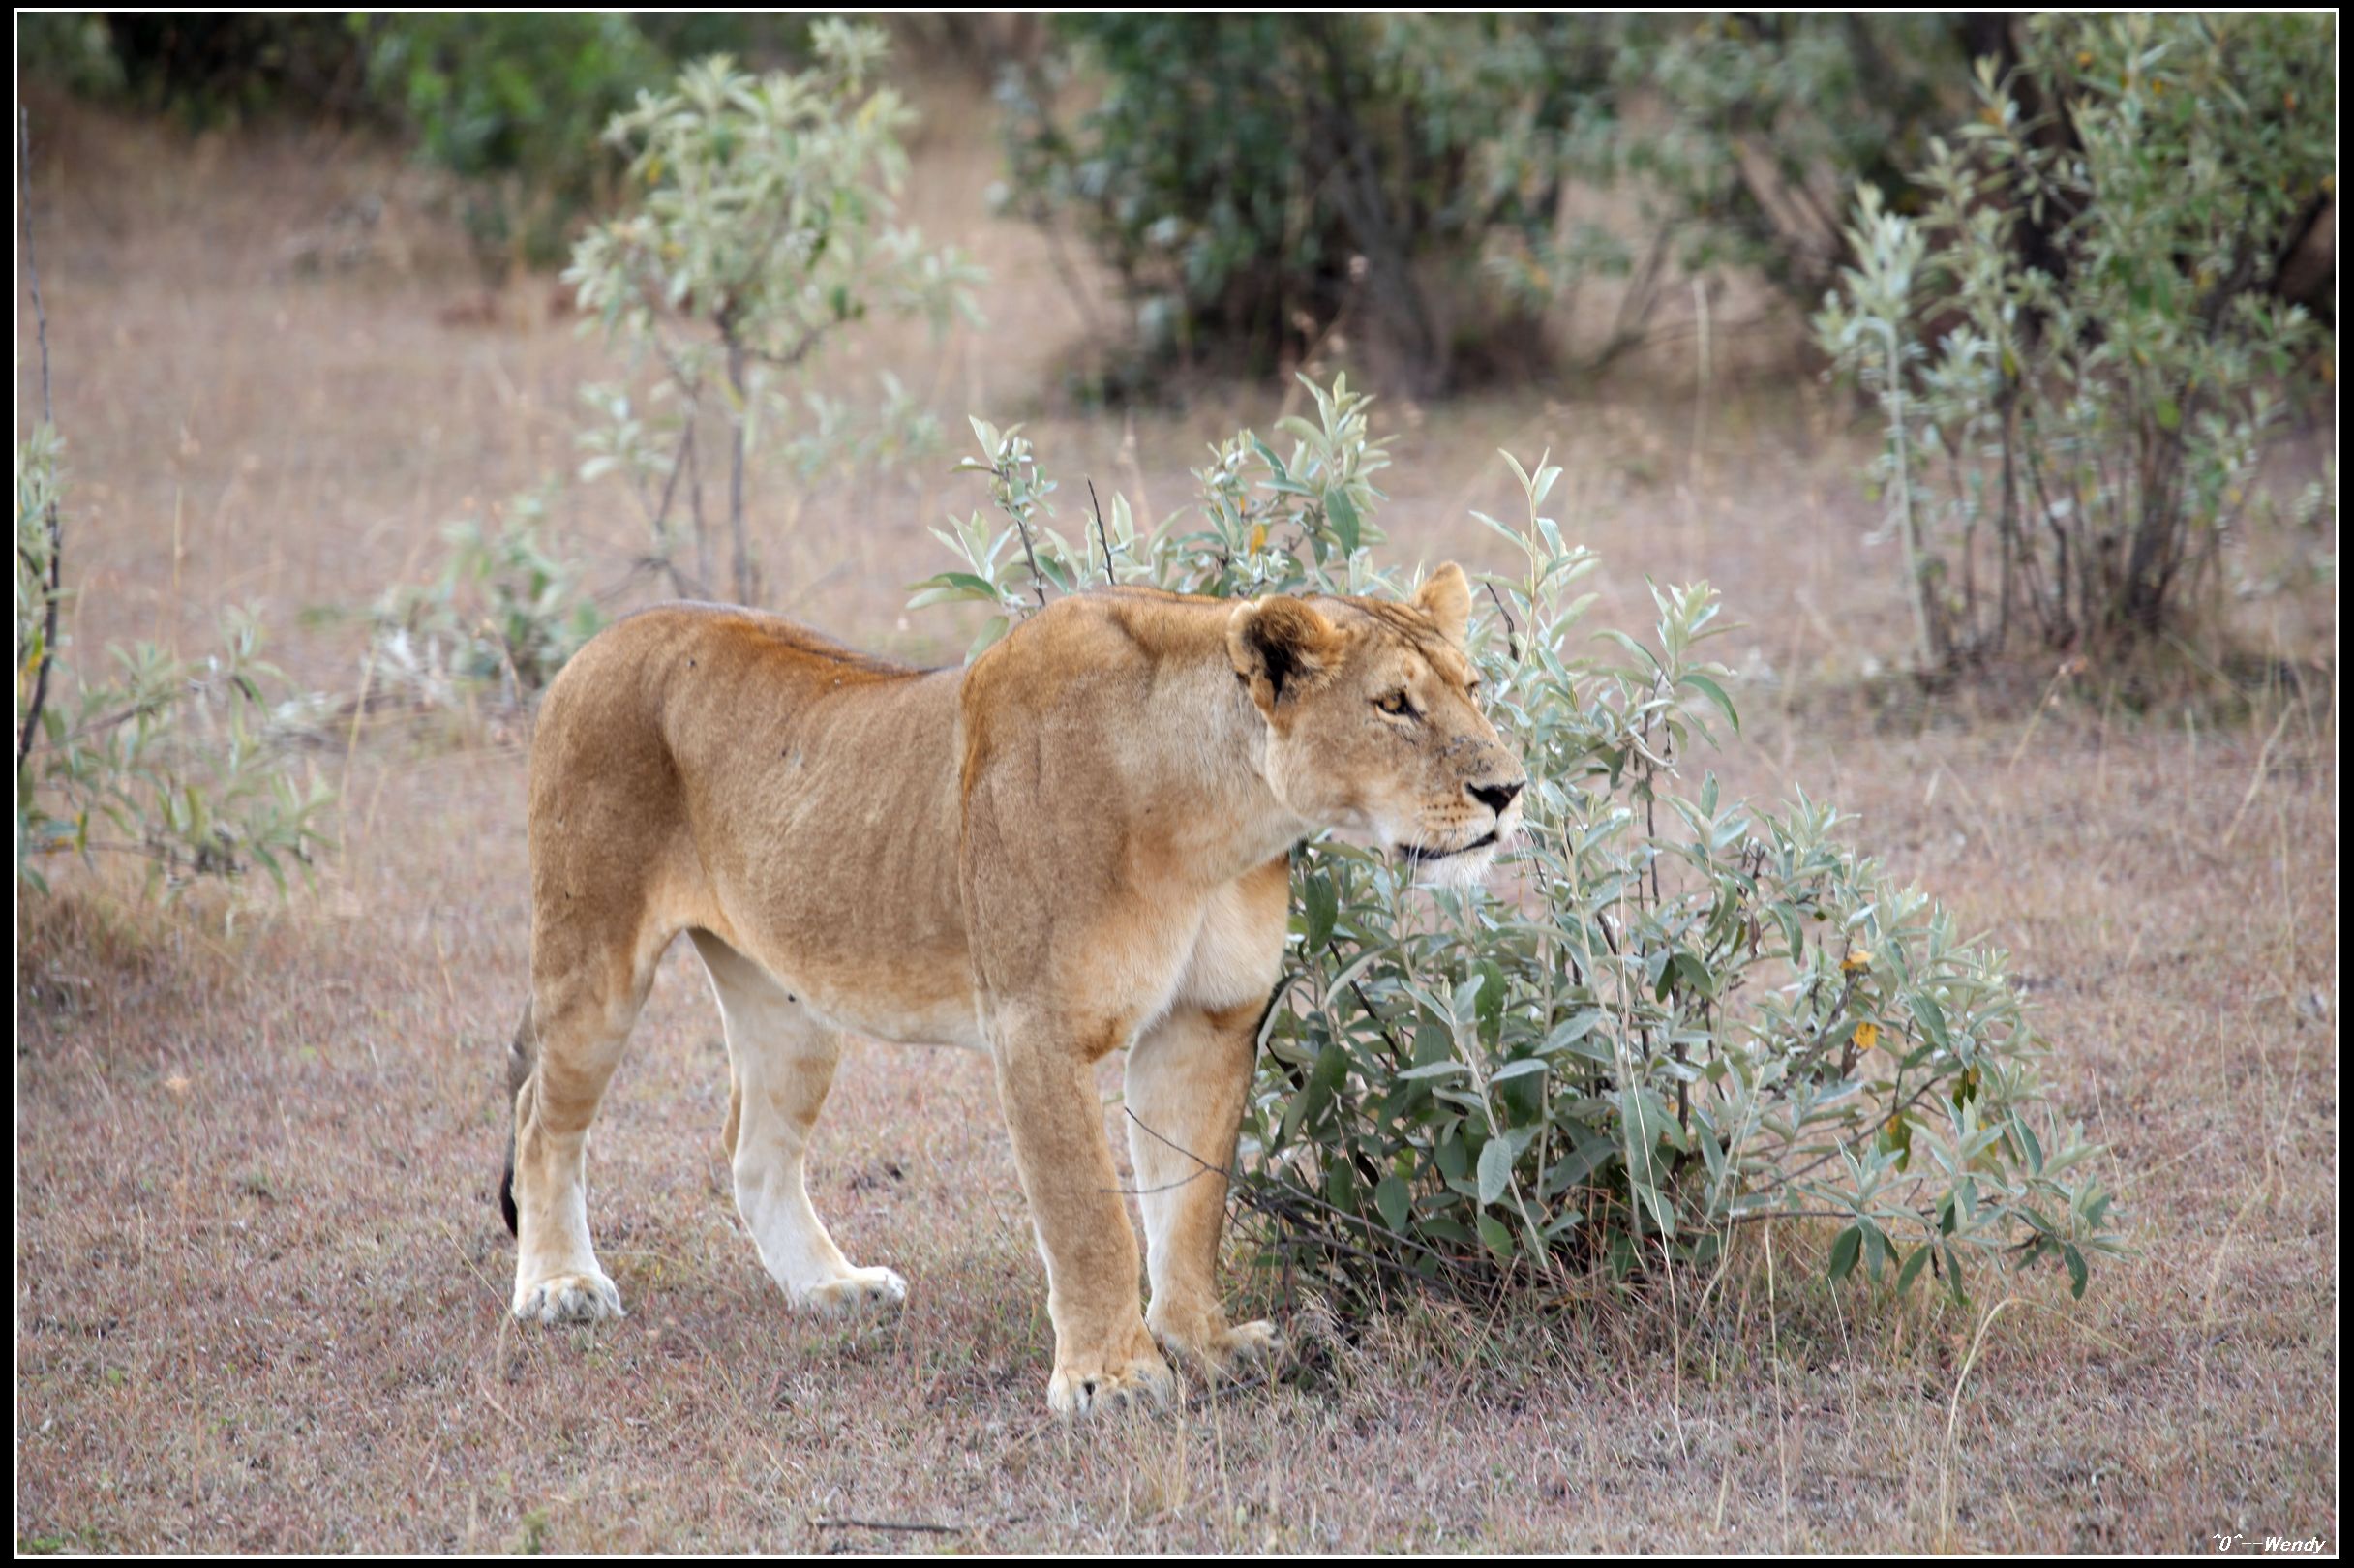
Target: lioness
{"points": [[1076, 844]]}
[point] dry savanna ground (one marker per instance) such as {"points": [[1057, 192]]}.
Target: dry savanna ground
{"points": [[260, 1272]]}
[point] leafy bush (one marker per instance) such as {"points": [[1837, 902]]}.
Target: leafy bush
{"points": [[2074, 429], [1258, 180], [67, 49], [1734, 135], [512, 104], [505, 611], [1251, 176], [1676, 1015], [766, 225], [169, 755]]}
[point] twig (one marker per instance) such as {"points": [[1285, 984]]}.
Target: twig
{"points": [[1211, 1393], [1276, 1184], [1102, 537], [49, 417], [1871, 1132], [659, 518], [1038, 579], [24, 198], [1207, 1169], [923, 1527], [152, 852], [746, 579], [1512, 630], [2263, 760]]}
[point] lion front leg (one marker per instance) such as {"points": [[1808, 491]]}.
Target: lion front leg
{"points": [[1187, 1080], [1103, 1355]]}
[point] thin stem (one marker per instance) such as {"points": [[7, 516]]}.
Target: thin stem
{"points": [[54, 527], [746, 579], [1103, 538]]}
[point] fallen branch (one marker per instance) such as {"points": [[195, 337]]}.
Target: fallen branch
{"points": [[918, 1526]]}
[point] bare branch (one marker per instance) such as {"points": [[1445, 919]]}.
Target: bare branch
{"points": [[49, 417], [1102, 537]]}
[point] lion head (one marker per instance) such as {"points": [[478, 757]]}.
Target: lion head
{"points": [[1373, 725]]}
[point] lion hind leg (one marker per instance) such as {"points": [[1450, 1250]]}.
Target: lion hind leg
{"points": [[781, 1064], [566, 1052]]}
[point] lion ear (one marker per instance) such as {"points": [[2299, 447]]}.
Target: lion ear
{"points": [[1279, 646], [1446, 598]]}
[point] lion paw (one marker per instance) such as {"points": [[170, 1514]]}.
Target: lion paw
{"points": [[1223, 1348], [856, 1294], [583, 1296], [1100, 1386]]}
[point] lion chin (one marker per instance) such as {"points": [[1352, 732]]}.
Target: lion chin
{"points": [[1464, 867]]}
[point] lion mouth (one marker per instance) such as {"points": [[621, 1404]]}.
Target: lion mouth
{"points": [[1417, 855]]}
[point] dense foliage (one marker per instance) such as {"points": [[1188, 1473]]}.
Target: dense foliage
{"points": [[512, 103], [1672, 1015], [1259, 181], [2075, 359]]}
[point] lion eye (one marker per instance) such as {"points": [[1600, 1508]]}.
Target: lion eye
{"points": [[1397, 705]]}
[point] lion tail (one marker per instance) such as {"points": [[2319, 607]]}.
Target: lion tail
{"points": [[523, 1055]]}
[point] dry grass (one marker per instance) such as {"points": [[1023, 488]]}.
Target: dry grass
{"points": [[259, 1271]]}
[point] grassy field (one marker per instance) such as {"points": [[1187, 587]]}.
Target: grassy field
{"points": [[260, 1272]]}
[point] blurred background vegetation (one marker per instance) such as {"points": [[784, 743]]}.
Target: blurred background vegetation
{"points": [[1259, 181]]}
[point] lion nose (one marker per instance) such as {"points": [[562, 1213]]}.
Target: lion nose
{"points": [[1496, 796]]}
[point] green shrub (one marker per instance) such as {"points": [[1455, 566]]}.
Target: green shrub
{"points": [[2075, 426], [1251, 176], [512, 104], [71, 50], [166, 759], [505, 611], [762, 225], [1256, 181], [1733, 137], [1674, 1015]]}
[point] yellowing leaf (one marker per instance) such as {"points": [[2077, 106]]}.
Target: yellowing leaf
{"points": [[1860, 959], [1867, 1035], [1258, 537]]}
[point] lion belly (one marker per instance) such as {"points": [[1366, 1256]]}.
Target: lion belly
{"points": [[833, 861]]}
